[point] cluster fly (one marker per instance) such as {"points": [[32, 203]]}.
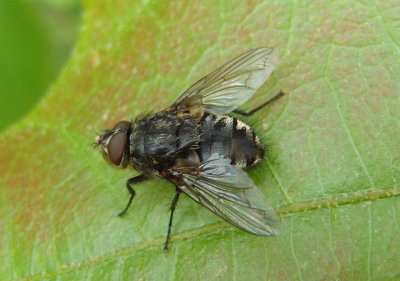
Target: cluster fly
{"points": [[197, 146]]}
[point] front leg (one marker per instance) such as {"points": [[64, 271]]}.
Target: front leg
{"points": [[130, 182]]}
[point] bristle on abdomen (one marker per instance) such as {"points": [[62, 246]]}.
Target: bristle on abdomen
{"points": [[229, 138]]}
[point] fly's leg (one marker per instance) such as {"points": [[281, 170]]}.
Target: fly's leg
{"points": [[244, 113], [173, 205], [130, 182]]}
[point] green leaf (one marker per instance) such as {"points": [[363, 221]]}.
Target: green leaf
{"points": [[26, 55], [32, 51], [332, 169]]}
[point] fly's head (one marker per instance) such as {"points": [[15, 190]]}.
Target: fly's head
{"points": [[115, 144]]}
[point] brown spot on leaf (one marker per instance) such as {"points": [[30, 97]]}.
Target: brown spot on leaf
{"points": [[35, 179]]}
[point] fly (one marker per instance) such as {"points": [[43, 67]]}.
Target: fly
{"points": [[197, 146]]}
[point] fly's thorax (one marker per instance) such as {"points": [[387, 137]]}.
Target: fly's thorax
{"points": [[156, 140], [230, 138]]}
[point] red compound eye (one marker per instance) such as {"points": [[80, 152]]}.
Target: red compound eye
{"points": [[116, 147]]}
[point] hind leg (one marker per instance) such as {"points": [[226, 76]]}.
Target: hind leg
{"points": [[244, 113]]}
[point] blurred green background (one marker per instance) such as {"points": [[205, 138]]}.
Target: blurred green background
{"points": [[36, 39]]}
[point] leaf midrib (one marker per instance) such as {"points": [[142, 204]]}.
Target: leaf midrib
{"points": [[212, 229]]}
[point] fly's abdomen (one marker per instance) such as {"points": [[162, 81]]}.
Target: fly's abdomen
{"points": [[230, 138]]}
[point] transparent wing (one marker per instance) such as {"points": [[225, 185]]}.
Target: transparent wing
{"points": [[231, 85], [228, 192]]}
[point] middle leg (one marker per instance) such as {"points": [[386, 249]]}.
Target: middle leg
{"points": [[173, 205]]}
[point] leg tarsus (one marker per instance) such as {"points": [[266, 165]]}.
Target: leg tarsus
{"points": [[172, 208], [129, 182], [244, 113]]}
